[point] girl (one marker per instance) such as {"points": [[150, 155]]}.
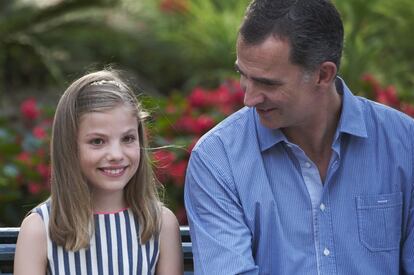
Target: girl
{"points": [[104, 215]]}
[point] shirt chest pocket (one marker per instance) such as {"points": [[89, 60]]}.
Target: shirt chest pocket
{"points": [[379, 221]]}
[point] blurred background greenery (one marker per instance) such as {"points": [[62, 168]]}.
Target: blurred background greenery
{"points": [[181, 52]]}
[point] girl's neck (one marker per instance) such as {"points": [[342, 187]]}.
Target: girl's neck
{"points": [[110, 212], [108, 202]]}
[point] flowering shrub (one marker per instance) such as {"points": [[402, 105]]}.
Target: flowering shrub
{"points": [[387, 95], [177, 125], [24, 146], [24, 161]]}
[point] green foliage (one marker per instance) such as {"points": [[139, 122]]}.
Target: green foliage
{"points": [[378, 40], [24, 161], [28, 57], [193, 42], [177, 125]]}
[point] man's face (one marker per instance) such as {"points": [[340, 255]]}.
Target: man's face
{"points": [[282, 93]]}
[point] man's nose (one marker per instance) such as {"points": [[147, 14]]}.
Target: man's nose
{"points": [[252, 96]]}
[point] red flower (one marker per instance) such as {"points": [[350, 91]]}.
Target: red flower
{"points": [[203, 124], [24, 157], [199, 98], [408, 109], [163, 158], [372, 81], [222, 95], [43, 170], [177, 172], [34, 188], [192, 144], [29, 109], [181, 215], [389, 97], [186, 124], [170, 109], [171, 6], [39, 132]]}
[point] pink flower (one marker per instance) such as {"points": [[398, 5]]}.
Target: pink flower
{"points": [[39, 132], [29, 109]]}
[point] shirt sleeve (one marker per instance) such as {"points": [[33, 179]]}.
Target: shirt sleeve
{"points": [[408, 246], [222, 242]]}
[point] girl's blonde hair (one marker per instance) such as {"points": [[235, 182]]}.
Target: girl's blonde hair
{"points": [[71, 216]]}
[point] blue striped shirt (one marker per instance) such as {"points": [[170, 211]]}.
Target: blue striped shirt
{"points": [[256, 203], [114, 248]]}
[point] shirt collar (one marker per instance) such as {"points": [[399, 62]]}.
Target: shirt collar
{"points": [[351, 120]]}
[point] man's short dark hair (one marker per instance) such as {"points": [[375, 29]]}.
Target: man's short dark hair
{"points": [[313, 28]]}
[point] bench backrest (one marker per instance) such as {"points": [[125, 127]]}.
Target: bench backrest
{"points": [[8, 238]]}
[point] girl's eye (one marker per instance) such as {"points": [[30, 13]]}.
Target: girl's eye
{"points": [[97, 141], [129, 139]]}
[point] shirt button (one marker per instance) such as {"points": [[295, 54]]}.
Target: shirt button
{"points": [[308, 164], [326, 252], [322, 207]]}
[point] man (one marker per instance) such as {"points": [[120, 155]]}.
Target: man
{"points": [[307, 178]]}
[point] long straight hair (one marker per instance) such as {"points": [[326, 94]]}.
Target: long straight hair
{"points": [[71, 218]]}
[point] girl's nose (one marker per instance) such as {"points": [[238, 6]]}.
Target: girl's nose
{"points": [[115, 152]]}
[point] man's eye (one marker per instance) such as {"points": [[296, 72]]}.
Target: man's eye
{"points": [[96, 141], [129, 139]]}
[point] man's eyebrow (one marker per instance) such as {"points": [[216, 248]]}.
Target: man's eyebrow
{"points": [[262, 80]]}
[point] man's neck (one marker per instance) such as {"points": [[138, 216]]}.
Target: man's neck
{"points": [[316, 137]]}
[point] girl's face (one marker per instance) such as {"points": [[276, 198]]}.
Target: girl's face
{"points": [[109, 152]]}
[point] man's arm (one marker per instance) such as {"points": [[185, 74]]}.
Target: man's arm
{"points": [[407, 255], [221, 239]]}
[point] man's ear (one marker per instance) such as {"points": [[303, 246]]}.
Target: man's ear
{"points": [[327, 73]]}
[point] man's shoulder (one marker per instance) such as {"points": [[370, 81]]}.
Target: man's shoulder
{"points": [[381, 114], [238, 125]]}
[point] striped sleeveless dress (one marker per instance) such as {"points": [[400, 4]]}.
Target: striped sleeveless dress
{"points": [[114, 248]]}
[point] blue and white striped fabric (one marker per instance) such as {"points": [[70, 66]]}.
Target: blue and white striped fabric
{"points": [[114, 248], [256, 203]]}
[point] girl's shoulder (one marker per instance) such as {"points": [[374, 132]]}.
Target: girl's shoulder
{"points": [[31, 252], [170, 261], [168, 219], [33, 227]]}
